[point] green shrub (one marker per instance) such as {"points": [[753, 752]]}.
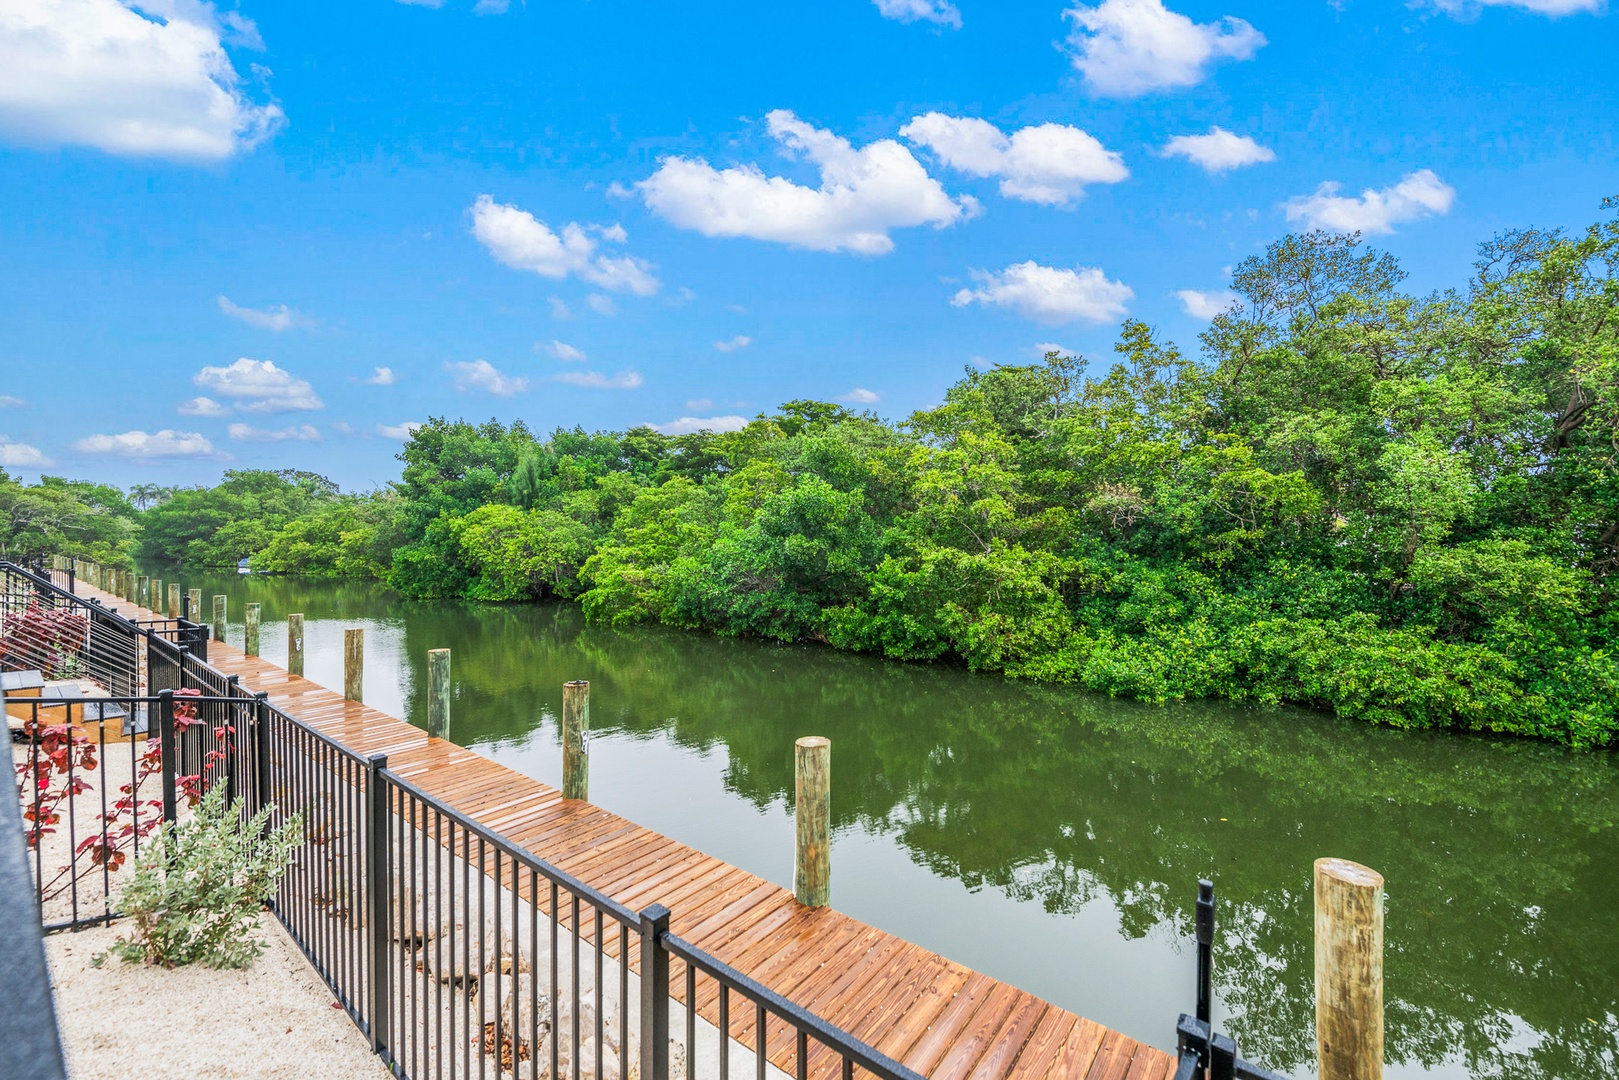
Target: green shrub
{"points": [[199, 887]]}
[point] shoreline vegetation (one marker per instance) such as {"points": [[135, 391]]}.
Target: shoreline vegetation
{"points": [[1403, 509]]}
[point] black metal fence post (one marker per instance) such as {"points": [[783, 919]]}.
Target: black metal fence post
{"points": [[71, 573], [655, 995], [165, 736], [261, 751], [233, 711], [376, 897]]}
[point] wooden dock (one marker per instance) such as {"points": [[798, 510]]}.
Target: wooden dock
{"points": [[935, 1016]]}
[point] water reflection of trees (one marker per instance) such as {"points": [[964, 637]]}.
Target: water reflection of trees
{"points": [[1499, 854]]}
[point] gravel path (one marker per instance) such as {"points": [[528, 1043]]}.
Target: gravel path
{"points": [[274, 1021]]}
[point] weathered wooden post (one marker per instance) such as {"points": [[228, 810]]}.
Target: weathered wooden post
{"points": [[575, 754], [220, 603], [174, 599], [812, 869], [250, 630], [1348, 971], [354, 664], [194, 604], [438, 693], [156, 599], [143, 591], [295, 644]]}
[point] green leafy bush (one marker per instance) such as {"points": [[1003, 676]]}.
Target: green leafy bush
{"points": [[199, 887]]}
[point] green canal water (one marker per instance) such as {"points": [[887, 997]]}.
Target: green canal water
{"points": [[1054, 838]]}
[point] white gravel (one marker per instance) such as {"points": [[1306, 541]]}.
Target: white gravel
{"points": [[273, 1021]]}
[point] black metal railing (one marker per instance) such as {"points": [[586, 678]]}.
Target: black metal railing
{"points": [[456, 950]]}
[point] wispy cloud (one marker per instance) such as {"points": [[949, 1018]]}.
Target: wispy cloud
{"points": [[398, 431], [21, 454], [1050, 294], [259, 386], [561, 350], [277, 318], [596, 380], [484, 376], [601, 305], [1418, 195], [521, 241], [1218, 151], [1205, 305], [938, 12], [7, 401], [166, 443], [294, 433], [741, 341], [382, 376], [861, 396], [202, 406], [688, 425]]}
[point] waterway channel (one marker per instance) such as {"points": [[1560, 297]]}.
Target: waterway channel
{"points": [[1053, 838]]}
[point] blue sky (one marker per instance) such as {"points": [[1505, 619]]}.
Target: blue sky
{"points": [[277, 234]]}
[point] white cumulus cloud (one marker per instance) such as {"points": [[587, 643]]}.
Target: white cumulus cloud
{"points": [[1219, 150], [863, 194], [20, 454], [688, 425], [482, 375], [1050, 294], [1124, 48], [861, 396], [1375, 210], [151, 82], [296, 433], [564, 352], [258, 386], [521, 241], [202, 406], [1205, 305], [277, 318], [942, 12], [398, 431], [595, 380], [382, 376], [741, 341], [1046, 163], [159, 444]]}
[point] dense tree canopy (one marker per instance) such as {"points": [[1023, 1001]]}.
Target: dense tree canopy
{"points": [[1402, 508]]}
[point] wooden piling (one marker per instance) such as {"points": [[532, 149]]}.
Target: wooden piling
{"points": [[143, 591], [812, 868], [575, 755], [174, 599], [1348, 971], [194, 605], [354, 664], [250, 630], [438, 693], [220, 605], [155, 601], [295, 643]]}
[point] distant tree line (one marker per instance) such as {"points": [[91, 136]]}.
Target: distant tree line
{"points": [[1403, 508]]}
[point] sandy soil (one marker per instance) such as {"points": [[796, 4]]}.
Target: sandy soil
{"points": [[274, 1021]]}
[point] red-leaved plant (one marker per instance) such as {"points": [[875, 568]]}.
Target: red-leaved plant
{"points": [[55, 776]]}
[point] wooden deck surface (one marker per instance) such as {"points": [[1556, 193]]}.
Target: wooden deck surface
{"points": [[937, 1017]]}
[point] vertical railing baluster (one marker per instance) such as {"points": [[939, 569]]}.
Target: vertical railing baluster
{"points": [[376, 883]]}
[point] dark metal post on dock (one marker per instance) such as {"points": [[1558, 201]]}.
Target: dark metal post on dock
{"points": [[655, 995], [354, 664], [1348, 971], [812, 869], [220, 602], [575, 726], [438, 693], [250, 630], [261, 751], [295, 643]]}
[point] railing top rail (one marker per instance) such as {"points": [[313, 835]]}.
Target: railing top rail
{"points": [[598, 899], [867, 1057]]}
